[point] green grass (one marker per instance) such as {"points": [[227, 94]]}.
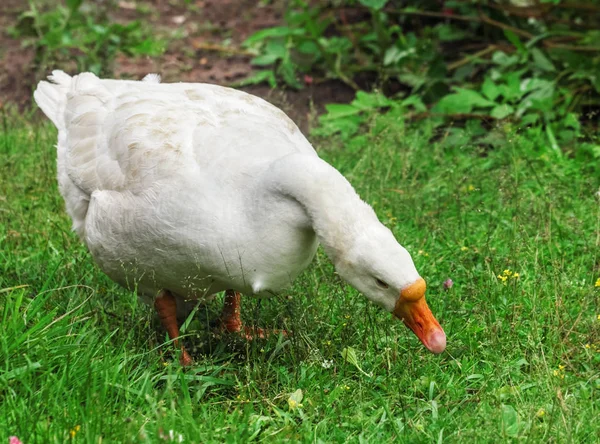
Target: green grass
{"points": [[77, 350]]}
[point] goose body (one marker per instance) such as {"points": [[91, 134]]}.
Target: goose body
{"points": [[198, 188]]}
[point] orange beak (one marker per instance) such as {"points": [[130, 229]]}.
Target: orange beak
{"points": [[415, 313]]}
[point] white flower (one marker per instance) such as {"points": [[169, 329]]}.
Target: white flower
{"points": [[172, 436]]}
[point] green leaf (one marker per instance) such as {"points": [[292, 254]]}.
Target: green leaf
{"points": [[412, 79], [337, 110], [349, 355], [416, 102], [541, 95], [265, 75], [266, 34], [149, 47], [373, 4], [273, 51], [345, 126], [308, 47], [530, 119], [335, 45], [265, 59], [474, 98], [394, 54], [370, 101], [452, 104], [489, 89], [463, 101], [552, 138], [532, 84], [541, 61], [512, 90], [288, 72], [502, 111], [510, 420], [515, 40], [500, 58], [571, 121]]}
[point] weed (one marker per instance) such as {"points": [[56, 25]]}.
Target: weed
{"points": [[533, 65], [83, 33]]}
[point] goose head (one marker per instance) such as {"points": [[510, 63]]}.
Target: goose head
{"points": [[381, 269], [364, 251]]}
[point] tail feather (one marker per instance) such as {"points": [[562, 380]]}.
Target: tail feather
{"points": [[51, 96]]}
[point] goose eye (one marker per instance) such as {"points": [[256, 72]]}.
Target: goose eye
{"points": [[381, 284]]}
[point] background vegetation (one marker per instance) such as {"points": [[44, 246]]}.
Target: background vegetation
{"points": [[532, 62], [472, 132], [83, 32]]}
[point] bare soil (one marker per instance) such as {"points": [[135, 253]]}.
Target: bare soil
{"points": [[204, 37]]}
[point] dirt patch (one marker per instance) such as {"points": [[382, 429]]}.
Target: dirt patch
{"points": [[205, 39], [16, 75]]}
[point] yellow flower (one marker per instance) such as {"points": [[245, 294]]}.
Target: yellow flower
{"points": [[470, 188], [74, 431], [502, 278], [598, 317], [295, 399], [507, 272], [597, 284], [587, 345], [463, 248], [561, 367], [516, 275], [555, 372], [540, 413], [422, 253]]}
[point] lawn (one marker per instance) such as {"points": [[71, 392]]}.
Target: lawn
{"points": [[516, 227]]}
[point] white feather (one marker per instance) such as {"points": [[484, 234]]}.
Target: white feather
{"points": [[198, 188], [152, 78]]}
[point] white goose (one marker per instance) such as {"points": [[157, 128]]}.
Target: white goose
{"points": [[184, 190]]}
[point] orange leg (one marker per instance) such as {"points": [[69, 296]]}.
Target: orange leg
{"points": [[230, 318], [232, 321], [166, 307]]}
